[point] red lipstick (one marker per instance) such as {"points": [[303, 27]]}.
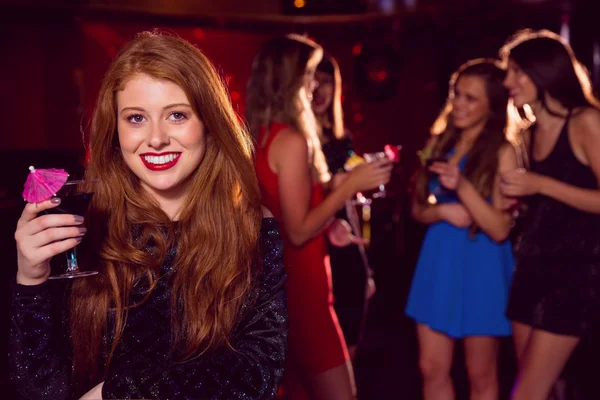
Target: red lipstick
{"points": [[152, 160]]}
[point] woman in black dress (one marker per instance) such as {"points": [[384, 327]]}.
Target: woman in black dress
{"points": [[189, 301], [351, 275], [555, 295]]}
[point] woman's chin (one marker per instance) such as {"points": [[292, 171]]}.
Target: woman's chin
{"points": [[460, 124], [520, 102]]}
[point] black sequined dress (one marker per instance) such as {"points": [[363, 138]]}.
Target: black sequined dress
{"points": [[556, 286], [39, 358]]}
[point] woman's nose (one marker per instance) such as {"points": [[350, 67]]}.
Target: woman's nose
{"points": [[457, 102], [159, 136]]}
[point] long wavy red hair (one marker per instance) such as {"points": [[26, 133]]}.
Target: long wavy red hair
{"points": [[218, 229]]}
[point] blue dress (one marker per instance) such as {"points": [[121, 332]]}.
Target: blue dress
{"points": [[461, 283]]}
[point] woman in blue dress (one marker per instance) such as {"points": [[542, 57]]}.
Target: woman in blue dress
{"points": [[462, 277]]}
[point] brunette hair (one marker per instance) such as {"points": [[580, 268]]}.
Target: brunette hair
{"points": [[548, 60], [334, 112], [482, 160]]}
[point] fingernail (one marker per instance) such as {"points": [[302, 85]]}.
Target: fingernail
{"points": [[78, 218], [82, 230], [79, 239], [55, 200]]}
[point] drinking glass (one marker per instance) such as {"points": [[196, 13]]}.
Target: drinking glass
{"points": [[360, 199], [376, 156], [75, 197], [436, 190]]}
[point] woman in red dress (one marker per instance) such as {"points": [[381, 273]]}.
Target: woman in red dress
{"points": [[294, 178]]}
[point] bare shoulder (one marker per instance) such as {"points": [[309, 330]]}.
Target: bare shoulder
{"points": [[290, 139], [289, 152], [586, 121], [266, 212], [507, 156], [289, 149]]}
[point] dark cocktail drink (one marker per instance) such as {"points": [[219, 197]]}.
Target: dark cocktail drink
{"points": [[75, 197]]}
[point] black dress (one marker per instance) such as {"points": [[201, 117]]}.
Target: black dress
{"points": [[349, 274], [40, 365], [556, 286]]}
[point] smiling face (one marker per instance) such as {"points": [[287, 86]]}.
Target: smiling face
{"points": [[520, 86], [323, 95], [162, 140], [308, 82], [470, 105]]}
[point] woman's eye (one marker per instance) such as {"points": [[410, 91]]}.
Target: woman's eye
{"points": [[136, 118], [177, 116]]}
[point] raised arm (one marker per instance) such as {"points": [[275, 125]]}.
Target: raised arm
{"points": [[290, 159], [586, 125], [252, 370], [428, 214]]}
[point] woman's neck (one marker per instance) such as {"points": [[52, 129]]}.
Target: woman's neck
{"points": [[468, 136], [170, 207], [545, 119], [171, 203]]}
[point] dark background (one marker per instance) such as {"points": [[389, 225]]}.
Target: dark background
{"points": [[395, 57]]}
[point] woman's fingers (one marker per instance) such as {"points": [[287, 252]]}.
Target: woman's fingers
{"points": [[57, 234], [47, 221], [31, 210], [52, 249], [32, 259]]}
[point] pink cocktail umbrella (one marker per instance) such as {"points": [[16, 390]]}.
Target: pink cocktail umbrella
{"points": [[42, 184]]}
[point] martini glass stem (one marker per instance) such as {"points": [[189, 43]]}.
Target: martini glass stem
{"points": [[72, 260]]}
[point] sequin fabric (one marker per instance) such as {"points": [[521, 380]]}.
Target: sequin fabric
{"points": [[556, 286], [141, 366], [337, 152]]}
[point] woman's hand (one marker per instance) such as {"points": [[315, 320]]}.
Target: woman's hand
{"points": [[369, 176], [450, 176], [371, 289], [338, 179], [39, 238], [519, 182], [455, 214], [94, 394], [340, 234]]}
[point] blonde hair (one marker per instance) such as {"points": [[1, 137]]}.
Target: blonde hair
{"points": [[276, 92]]}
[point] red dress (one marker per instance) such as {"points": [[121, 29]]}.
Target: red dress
{"points": [[316, 343]]}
